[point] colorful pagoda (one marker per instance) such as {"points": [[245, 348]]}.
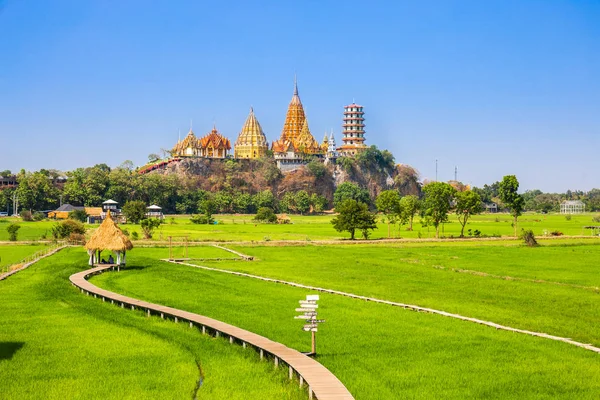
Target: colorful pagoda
{"points": [[189, 147], [251, 142], [296, 141], [353, 130], [214, 145]]}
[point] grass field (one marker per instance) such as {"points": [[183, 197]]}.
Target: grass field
{"points": [[242, 228], [425, 275], [12, 254], [378, 351], [56, 343]]}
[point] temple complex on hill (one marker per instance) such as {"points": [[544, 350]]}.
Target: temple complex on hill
{"points": [[353, 130], [251, 142], [213, 145], [295, 147], [296, 141]]}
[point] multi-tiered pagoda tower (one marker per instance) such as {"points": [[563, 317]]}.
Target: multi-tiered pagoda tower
{"points": [[353, 130], [251, 142], [296, 141]]}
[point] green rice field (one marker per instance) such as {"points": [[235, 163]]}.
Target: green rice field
{"points": [[56, 343], [377, 350]]}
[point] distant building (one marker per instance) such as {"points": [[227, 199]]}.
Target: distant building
{"points": [[572, 207], [154, 211], [296, 142], [63, 211], [251, 142], [490, 207], [213, 145], [353, 130]]}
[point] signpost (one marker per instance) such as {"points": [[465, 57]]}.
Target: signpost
{"points": [[309, 309]]}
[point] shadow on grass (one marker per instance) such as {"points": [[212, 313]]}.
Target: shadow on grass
{"points": [[8, 349], [133, 268]]}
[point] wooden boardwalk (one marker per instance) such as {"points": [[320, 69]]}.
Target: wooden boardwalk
{"points": [[321, 383]]}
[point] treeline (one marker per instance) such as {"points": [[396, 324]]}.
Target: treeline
{"points": [[176, 194], [538, 201]]}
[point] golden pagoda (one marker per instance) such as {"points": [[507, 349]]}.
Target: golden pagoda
{"points": [[325, 143], [251, 142], [214, 145], [294, 119], [296, 139], [305, 142], [189, 147]]}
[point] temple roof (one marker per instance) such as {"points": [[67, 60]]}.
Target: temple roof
{"points": [[305, 141], [251, 133], [294, 118], [215, 140], [282, 146]]}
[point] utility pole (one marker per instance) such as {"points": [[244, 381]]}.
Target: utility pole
{"points": [[15, 204], [456, 173], [436, 169]]}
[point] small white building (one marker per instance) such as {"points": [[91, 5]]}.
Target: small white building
{"points": [[154, 211], [572, 207]]}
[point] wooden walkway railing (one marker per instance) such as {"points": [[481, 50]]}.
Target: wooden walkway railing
{"points": [[322, 384]]}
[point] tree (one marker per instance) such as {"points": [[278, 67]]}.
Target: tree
{"points": [[302, 201], [409, 206], [288, 203], [318, 202], [78, 215], [208, 207], [467, 204], [134, 211], [508, 192], [265, 214], [265, 199], [349, 190], [153, 157], [66, 228], [437, 203], [388, 203], [353, 215], [13, 230], [407, 180], [148, 225]]}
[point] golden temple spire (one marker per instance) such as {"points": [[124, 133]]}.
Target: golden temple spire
{"points": [[295, 85], [251, 142]]}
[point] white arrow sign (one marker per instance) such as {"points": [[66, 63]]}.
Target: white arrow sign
{"points": [[305, 317], [310, 329], [312, 297], [305, 309], [309, 305]]}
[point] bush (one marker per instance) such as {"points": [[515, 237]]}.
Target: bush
{"points": [[38, 216], [148, 225], [26, 215], [135, 235], [265, 214], [65, 228], [13, 230], [556, 233], [529, 238], [568, 217], [77, 238], [201, 219], [596, 218], [134, 211], [78, 215]]}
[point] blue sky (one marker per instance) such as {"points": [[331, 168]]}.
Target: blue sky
{"points": [[493, 87]]}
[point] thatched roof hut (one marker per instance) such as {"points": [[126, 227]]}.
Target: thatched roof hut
{"points": [[108, 237]]}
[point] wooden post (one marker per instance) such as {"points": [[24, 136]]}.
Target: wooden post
{"points": [[162, 316], [148, 312], [175, 319], [262, 354], [191, 325], [301, 380], [291, 373], [314, 343], [276, 362], [231, 339], [203, 330], [310, 393]]}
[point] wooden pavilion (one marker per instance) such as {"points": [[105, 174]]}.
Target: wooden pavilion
{"points": [[109, 237]]}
